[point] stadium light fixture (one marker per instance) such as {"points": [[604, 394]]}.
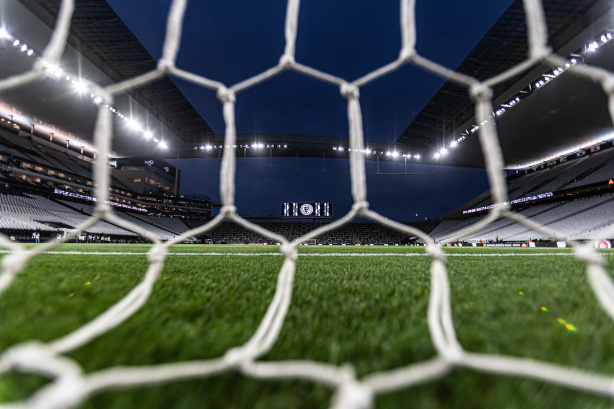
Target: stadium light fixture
{"points": [[437, 155], [453, 144], [395, 154], [163, 145], [417, 156], [16, 43], [148, 135], [79, 86], [592, 47], [134, 125], [4, 34]]}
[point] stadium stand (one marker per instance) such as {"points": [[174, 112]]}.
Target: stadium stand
{"points": [[579, 203], [28, 162]]}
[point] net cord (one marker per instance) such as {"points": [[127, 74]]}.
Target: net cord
{"points": [[70, 386]]}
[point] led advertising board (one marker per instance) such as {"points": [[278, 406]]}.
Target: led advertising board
{"points": [[307, 209]]}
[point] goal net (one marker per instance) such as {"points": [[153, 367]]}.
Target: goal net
{"points": [[71, 387]]}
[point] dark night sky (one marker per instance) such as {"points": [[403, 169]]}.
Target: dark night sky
{"points": [[232, 40]]}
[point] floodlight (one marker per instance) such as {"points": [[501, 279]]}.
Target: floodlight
{"points": [[54, 70], [163, 145], [437, 155], [593, 46], [30, 52], [453, 144], [444, 151], [156, 140], [604, 38], [149, 135], [573, 61], [341, 149], [395, 154], [417, 156], [15, 43], [3, 33], [79, 86], [23, 48], [209, 147], [134, 125]]}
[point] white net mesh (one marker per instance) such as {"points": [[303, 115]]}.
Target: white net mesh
{"points": [[71, 386]]}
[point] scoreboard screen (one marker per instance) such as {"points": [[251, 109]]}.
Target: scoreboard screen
{"points": [[306, 209]]}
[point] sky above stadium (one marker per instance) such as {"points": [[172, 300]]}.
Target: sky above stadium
{"points": [[230, 41]]}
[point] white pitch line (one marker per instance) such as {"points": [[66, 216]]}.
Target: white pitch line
{"points": [[116, 253]]}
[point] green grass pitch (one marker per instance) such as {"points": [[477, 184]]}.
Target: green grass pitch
{"points": [[369, 311]]}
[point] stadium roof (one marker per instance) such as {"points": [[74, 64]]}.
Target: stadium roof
{"points": [[448, 116], [551, 120], [100, 36]]}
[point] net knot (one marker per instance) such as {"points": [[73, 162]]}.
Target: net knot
{"points": [[353, 395], [228, 211], [166, 65], [407, 54], [16, 356], [105, 97], [102, 209], [608, 84], [540, 53], [12, 263], [286, 61], [436, 252], [67, 392], [480, 92], [237, 357], [39, 357], [289, 251], [361, 207], [225, 95], [588, 254], [453, 355], [156, 254], [349, 91]]}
